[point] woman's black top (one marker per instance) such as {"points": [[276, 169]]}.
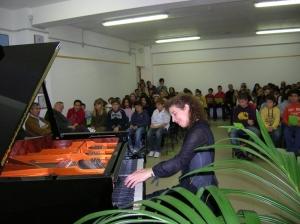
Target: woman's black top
{"points": [[199, 134]]}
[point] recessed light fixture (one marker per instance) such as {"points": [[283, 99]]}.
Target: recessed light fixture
{"points": [[276, 3], [291, 30], [177, 39], [135, 20]]}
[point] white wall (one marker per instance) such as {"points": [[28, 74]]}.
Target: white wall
{"points": [[101, 66], [208, 63], [89, 65]]}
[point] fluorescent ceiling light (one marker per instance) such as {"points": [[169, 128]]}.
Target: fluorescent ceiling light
{"points": [[135, 20], [276, 3], [291, 30], [176, 39]]}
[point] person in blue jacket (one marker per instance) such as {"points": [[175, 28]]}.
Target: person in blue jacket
{"points": [[187, 112]]}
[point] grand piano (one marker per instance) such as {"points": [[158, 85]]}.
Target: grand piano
{"points": [[57, 178]]}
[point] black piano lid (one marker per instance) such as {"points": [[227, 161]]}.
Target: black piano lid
{"points": [[23, 69]]}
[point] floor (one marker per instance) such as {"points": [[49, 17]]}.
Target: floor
{"points": [[226, 180]]}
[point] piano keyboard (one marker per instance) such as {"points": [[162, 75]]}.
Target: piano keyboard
{"points": [[122, 196]]}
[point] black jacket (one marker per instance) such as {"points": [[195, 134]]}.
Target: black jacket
{"points": [[118, 118], [199, 134]]}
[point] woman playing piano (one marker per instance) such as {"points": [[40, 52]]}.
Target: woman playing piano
{"points": [[187, 112]]}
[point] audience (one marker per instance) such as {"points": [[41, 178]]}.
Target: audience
{"points": [[117, 119], [63, 124], [291, 120], [230, 101], [108, 105], [138, 126], [161, 86], [270, 115], [35, 125], [127, 107], [201, 99], [146, 105], [210, 100], [245, 115], [87, 114], [99, 116], [76, 114], [160, 122], [219, 103], [109, 116]]}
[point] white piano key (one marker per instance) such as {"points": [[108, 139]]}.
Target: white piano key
{"points": [[138, 190]]}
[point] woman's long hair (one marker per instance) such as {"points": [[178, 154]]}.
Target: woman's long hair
{"points": [[95, 111], [197, 112]]}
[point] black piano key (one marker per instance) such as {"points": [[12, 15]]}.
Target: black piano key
{"points": [[122, 196], [128, 166]]}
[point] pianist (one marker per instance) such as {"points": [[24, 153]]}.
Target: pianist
{"points": [[187, 112], [35, 125]]}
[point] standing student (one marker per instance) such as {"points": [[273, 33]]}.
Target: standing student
{"points": [[210, 100], [291, 119], [219, 103], [270, 115], [230, 101], [187, 113]]}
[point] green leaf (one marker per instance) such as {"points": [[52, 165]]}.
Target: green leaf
{"points": [[273, 220], [157, 207], [264, 132], [249, 174], [224, 205], [198, 205], [186, 212], [109, 214], [264, 199], [250, 217]]}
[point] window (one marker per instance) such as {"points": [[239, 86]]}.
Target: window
{"points": [[4, 40]]}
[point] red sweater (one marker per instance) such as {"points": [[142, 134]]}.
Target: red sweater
{"points": [[291, 109], [210, 98], [219, 97], [76, 117]]}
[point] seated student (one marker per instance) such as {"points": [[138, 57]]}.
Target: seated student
{"points": [[87, 114], [76, 114], [63, 124], [219, 103], [160, 122], [270, 115], [146, 105], [244, 114], [108, 105], [230, 100], [210, 100], [35, 125], [127, 107], [291, 120], [138, 125], [99, 116], [116, 117], [201, 99]]}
